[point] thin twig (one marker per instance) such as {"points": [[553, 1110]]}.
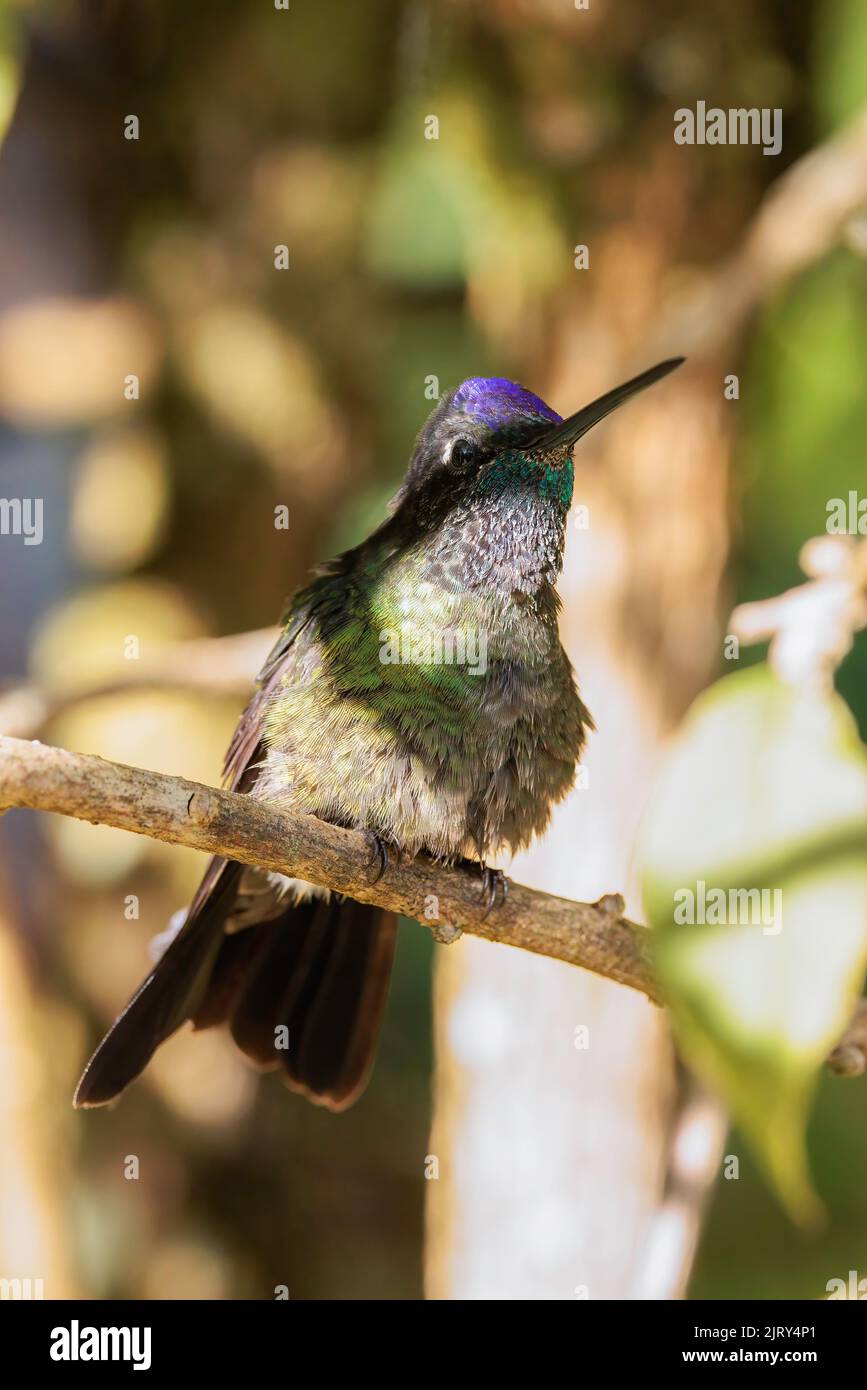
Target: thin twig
{"points": [[695, 1148]]}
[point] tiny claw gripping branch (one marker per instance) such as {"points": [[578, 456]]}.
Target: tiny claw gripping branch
{"points": [[378, 855], [494, 882]]}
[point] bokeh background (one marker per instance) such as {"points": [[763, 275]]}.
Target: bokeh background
{"points": [[413, 262]]}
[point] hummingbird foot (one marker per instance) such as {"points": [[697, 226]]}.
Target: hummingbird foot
{"points": [[494, 881], [378, 854]]}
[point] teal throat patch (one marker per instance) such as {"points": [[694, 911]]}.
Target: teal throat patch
{"points": [[513, 471]]}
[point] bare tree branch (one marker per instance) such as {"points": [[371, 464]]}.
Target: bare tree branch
{"points": [[594, 936], [446, 899]]}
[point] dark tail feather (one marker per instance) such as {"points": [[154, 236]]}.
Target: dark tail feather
{"points": [[339, 1018], [321, 972], [169, 995]]}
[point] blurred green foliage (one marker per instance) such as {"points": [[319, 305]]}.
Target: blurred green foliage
{"points": [[762, 958], [805, 426]]}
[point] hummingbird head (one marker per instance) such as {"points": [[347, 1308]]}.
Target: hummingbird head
{"points": [[491, 435]]}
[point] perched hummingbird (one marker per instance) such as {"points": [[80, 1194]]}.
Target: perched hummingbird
{"points": [[369, 714]]}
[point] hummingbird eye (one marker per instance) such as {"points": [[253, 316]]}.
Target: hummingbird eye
{"points": [[463, 452]]}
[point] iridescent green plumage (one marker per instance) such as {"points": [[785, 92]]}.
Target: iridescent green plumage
{"points": [[451, 757]]}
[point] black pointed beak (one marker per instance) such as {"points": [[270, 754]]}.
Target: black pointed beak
{"points": [[564, 435]]}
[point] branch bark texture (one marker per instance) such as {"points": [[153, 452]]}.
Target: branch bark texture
{"points": [[592, 935]]}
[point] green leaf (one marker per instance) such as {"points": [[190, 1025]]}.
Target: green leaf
{"points": [[753, 859]]}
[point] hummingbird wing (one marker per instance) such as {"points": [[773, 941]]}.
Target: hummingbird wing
{"points": [[177, 984], [320, 968]]}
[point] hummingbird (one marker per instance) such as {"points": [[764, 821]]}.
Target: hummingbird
{"points": [[418, 691]]}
